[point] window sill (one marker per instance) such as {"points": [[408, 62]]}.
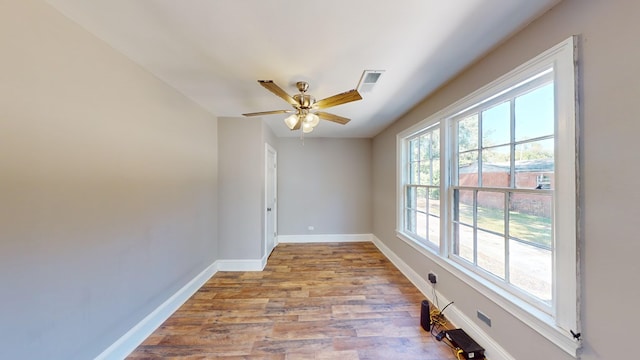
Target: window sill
{"points": [[531, 316]]}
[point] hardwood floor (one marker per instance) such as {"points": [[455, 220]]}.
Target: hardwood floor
{"points": [[313, 301]]}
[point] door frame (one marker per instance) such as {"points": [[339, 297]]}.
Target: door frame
{"points": [[268, 149]]}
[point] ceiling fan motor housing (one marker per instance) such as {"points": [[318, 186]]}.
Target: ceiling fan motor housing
{"points": [[305, 101], [302, 86]]}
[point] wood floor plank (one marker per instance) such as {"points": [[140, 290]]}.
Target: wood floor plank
{"points": [[312, 301]]}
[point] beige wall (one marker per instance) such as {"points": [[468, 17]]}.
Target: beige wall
{"points": [[241, 188], [325, 183], [610, 77], [108, 183]]}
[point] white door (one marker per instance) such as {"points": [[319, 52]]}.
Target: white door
{"points": [[271, 196]]}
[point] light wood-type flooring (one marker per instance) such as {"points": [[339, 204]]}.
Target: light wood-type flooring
{"points": [[312, 301]]}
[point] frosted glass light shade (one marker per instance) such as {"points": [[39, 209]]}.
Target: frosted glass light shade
{"points": [[306, 127], [291, 121], [312, 119]]}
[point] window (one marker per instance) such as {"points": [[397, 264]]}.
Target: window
{"points": [[502, 216], [501, 219], [422, 191]]}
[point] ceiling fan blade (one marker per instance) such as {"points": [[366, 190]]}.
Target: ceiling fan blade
{"points": [[332, 117], [271, 86], [339, 99], [268, 112]]}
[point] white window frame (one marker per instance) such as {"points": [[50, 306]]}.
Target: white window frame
{"points": [[562, 317]]}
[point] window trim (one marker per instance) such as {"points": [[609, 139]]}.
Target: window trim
{"points": [[565, 317]]}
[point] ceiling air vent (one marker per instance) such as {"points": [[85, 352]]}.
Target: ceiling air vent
{"points": [[368, 80]]}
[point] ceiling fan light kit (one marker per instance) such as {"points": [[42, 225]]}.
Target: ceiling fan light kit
{"points": [[291, 121], [312, 119], [305, 115], [306, 128], [309, 121]]}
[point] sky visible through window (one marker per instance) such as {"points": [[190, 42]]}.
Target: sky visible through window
{"points": [[534, 112]]}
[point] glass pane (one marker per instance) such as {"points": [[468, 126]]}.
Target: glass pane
{"points": [[496, 166], [463, 245], [414, 173], [414, 149], [425, 143], [425, 173], [411, 198], [500, 155], [410, 221], [530, 218], [435, 157], [434, 202], [535, 150], [435, 168], [468, 169], [421, 199], [434, 230], [530, 269], [534, 165], [491, 211], [435, 145], [534, 112], [468, 133], [466, 206], [421, 225], [496, 125], [463, 206], [491, 253]]}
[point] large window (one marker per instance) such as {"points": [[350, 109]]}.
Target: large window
{"points": [[503, 214]]}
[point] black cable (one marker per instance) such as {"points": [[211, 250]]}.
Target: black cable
{"points": [[445, 307]]}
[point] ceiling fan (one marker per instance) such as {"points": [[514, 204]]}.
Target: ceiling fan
{"points": [[305, 114]]}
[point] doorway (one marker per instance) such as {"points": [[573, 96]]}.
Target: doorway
{"points": [[271, 200]]}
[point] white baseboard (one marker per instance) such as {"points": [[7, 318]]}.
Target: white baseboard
{"points": [[137, 334], [323, 238], [242, 264], [493, 350]]}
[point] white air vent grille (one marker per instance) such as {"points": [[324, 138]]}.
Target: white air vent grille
{"points": [[371, 78], [368, 80]]}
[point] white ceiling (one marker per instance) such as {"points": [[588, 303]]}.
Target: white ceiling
{"points": [[214, 51]]}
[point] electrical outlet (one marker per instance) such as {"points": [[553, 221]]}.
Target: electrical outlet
{"points": [[433, 278], [311, 228], [484, 318]]}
